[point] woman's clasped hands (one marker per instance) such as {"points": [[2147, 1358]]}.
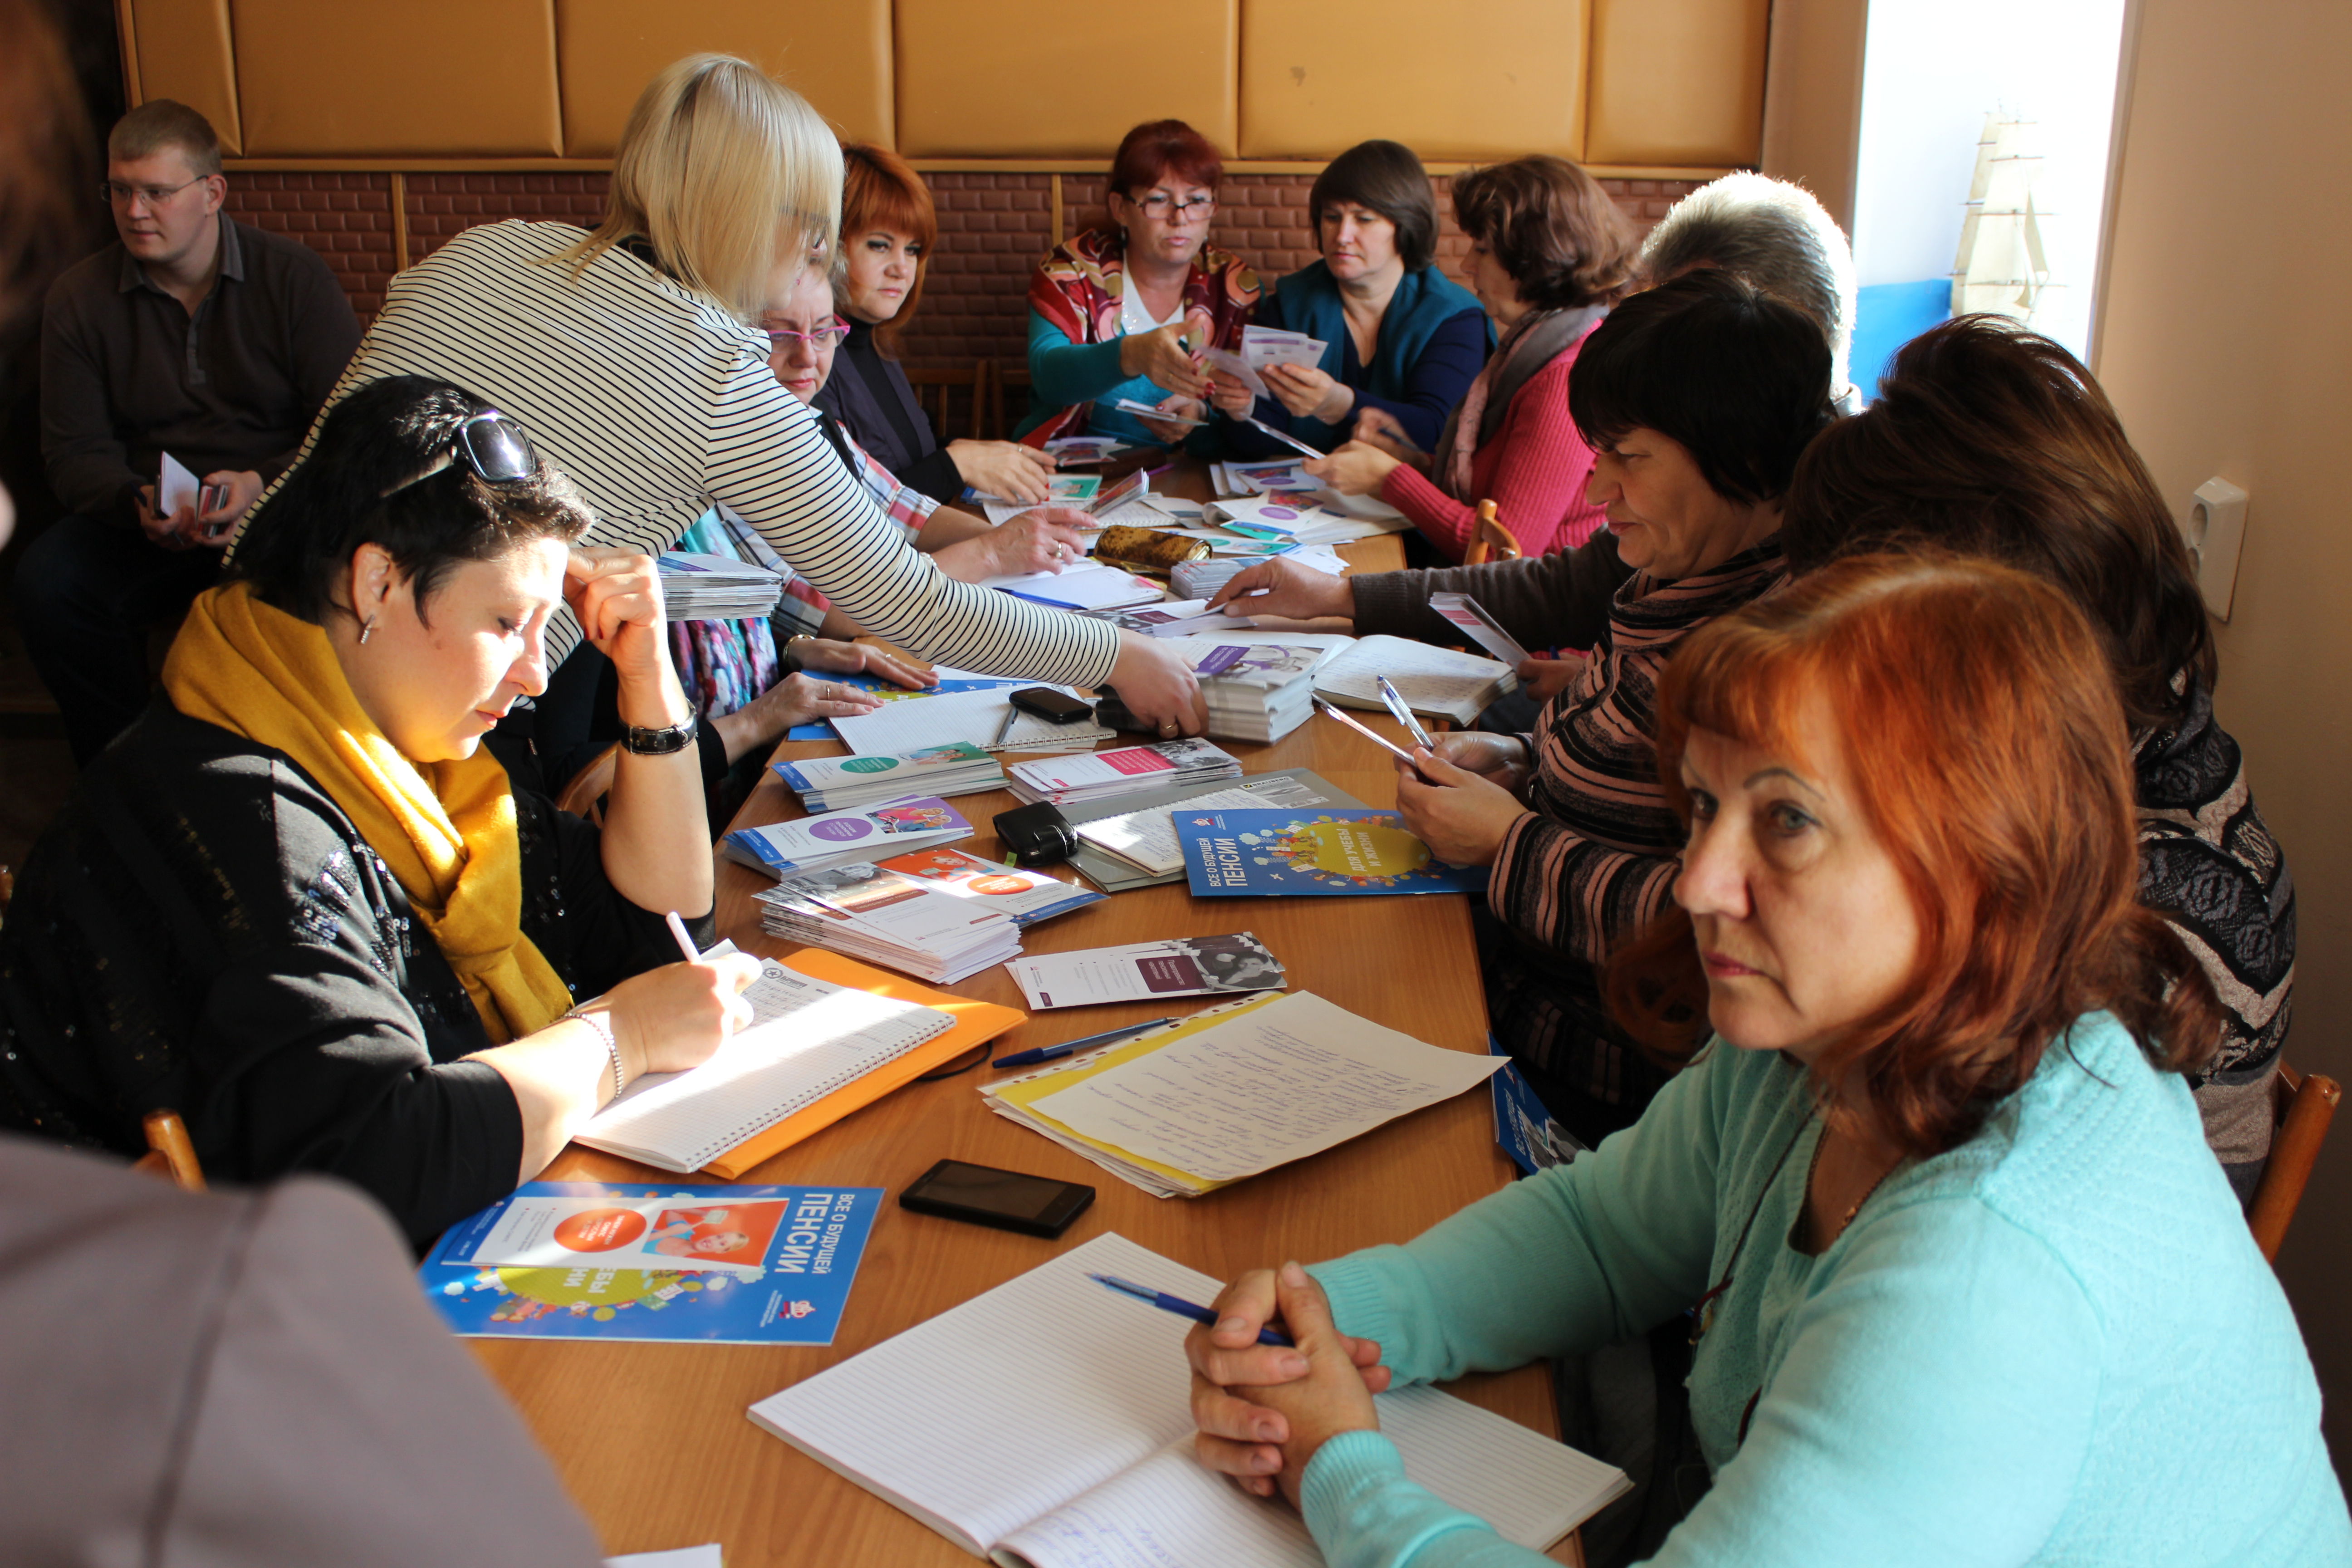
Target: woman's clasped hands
{"points": [[1264, 1411], [1462, 798]]}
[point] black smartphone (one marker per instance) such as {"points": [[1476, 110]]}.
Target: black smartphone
{"points": [[982, 1195], [1054, 707]]}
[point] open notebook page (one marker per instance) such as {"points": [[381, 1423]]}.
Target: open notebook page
{"points": [[1431, 679], [807, 1037]]}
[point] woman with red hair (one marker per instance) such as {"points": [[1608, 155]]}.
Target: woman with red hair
{"points": [[1123, 313], [887, 228], [1934, 1196]]}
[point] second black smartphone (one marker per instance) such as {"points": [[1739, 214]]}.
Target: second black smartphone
{"points": [[1054, 707], [982, 1195]]}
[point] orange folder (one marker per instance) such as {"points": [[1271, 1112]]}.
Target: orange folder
{"points": [[975, 1024]]}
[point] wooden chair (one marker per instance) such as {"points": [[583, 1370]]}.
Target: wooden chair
{"points": [[936, 391], [1495, 542], [169, 1152], [2301, 1107], [584, 795], [1001, 383]]}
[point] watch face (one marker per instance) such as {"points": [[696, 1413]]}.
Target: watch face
{"points": [[657, 742]]}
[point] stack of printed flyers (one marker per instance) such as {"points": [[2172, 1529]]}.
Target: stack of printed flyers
{"points": [[938, 914], [1258, 690], [1263, 346], [1438, 681], [1137, 846], [1070, 781], [721, 1265], [697, 587], [1149, 970], [1219, 1096], [1181, 618], [1047, 1423], [1319, 520], [836, 784], [841, 838]]}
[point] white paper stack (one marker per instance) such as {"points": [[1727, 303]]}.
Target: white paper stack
{"points": [[1086, 586], [834, 784], [1255, 690], [1071, 781], [844, 837], [888, 918], [1432, 680], [1200, 580], [697, 587]]}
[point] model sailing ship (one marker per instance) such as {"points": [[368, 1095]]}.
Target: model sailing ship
{"points": [[2002, 267]]}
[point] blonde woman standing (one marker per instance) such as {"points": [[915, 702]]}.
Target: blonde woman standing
{"points": [[628, 353]]}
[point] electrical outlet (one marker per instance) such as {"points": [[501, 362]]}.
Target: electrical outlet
{"points": [[2216, 532]]}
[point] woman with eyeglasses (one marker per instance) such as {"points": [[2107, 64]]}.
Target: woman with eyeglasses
{"points": [[1934, 1197], [888, 227], [1402, 341], [630, 355], [297, 903], [1125, 312]]}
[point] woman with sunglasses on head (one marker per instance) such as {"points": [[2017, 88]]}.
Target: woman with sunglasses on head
{"points": [[1401, 341], [889, 227], [1125, 312], [1934, 1195], [297, 903], [630, 355], [1990, 440]]}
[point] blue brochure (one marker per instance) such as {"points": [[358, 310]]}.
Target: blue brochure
{"points": [[1230, 854], [1524, 1125], [584, 1260]]}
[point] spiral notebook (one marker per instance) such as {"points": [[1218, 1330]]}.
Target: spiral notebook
{"points": [[807, 1037]]}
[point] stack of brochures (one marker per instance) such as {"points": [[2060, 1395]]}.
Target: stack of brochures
{"points": [[1319, 520], [890, 918], [1149, 970], [697, 587], [1181, 619], [1255, 690], [1070, 781], [1200, 1104], [833, 783], [1438, 681], [1028, 897], [1139, 847], [843, 838], [1198, 581]]}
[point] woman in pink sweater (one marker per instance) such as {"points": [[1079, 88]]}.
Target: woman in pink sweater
{"points": [[1550, 253]]}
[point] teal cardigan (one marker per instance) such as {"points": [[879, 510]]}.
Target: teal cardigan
{"points": [[1308, 301], [2055, 1343]]}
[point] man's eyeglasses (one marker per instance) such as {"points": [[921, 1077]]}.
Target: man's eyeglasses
{"points": [[1160, 205], [821, 339], [492, 445], [114, 193]]}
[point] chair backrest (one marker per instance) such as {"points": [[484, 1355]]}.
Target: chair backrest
{"points": [[169, 1152], [2301, 1106], [584, 795], [1494, 541], [936, 391], [1003, 382]]}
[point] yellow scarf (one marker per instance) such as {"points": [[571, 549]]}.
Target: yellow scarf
{"points": [[447, 829]]}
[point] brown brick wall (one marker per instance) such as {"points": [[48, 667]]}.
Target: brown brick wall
{"points": [[993, 229]]}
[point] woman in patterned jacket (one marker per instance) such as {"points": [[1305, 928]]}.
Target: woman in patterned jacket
{"points": [[1990, 440]]}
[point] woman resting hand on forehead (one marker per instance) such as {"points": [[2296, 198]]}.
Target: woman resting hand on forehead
{"points": [[299, 904], [1934, 1196]]}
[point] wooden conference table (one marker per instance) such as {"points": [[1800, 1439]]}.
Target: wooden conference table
{"points": [[652, 1439]]}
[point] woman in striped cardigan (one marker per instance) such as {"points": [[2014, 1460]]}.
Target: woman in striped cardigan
{"points": [[1696, 399]]}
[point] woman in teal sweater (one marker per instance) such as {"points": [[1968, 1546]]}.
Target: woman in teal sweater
{"points": [[1936, 1194]]}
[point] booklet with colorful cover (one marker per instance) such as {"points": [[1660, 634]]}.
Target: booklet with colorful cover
{"points": [[1230, 854], [833, 839], [589, 1260]]}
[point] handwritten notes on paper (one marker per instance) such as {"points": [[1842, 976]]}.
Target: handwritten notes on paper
{"points": [[1276, 1084]]}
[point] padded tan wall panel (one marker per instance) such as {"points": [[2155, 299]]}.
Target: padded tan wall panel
{"points": [[1319, 76], [185, 53], [836, 54], [1677, 81], [1017, 78], [365, 79]]}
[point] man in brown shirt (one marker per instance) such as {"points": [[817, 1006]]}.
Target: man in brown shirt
{"points": [[192, 334]]}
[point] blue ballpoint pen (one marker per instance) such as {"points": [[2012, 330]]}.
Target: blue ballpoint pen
{"points": [[1054, 1053], [1178, 1305]]}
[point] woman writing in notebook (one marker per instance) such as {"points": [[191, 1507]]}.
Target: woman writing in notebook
{"points": [[296, 901], [1934, 1195]]}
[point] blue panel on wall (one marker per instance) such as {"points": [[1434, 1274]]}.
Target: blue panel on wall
{"points": [[1888, 315]]}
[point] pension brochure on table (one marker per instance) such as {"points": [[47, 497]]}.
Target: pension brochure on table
{"points": [[1231, 1092], [838, 838], [1071, 1445], [1127, 770], [1133, 842], [588, 1260], [1320, 852], [1147, 971], [834, 783]]}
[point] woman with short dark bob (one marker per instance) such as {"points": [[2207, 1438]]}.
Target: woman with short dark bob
{"points": [[298, 903], [1990, 440], [1399, 335], [1696, 399], [1932, 1197]]}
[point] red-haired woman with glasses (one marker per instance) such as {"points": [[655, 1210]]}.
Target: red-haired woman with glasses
{"points": [[1123, 311], [1934, 1195]]}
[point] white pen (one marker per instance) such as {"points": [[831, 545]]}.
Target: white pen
{"points": [[1403, 711], [685, 942]]}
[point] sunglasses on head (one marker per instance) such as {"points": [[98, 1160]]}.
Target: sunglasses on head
{"points": [[492, 445]]}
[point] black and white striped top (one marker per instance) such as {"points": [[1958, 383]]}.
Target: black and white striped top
{"points": [[657, 404]]}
